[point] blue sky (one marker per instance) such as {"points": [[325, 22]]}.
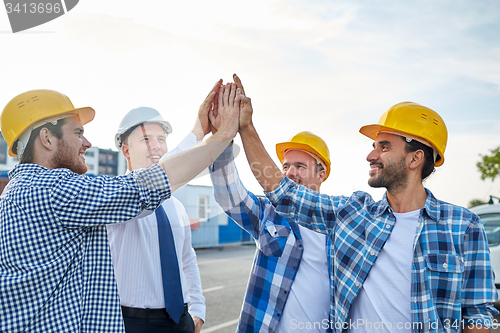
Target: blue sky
{"points": [[329, 67]]}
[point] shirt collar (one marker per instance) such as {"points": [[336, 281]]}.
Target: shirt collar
{"points": [[431, 206], [25, 167]]}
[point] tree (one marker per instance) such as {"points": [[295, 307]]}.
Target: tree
{"points": [[490, 164], [476, 202]]}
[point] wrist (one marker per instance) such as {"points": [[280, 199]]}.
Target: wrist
{"points": [[247, 128], [198, 132], [222, 136]]}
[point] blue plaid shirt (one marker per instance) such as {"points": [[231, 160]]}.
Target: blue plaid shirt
{"points": [[451, 276], [56, 273], [279, 247]]}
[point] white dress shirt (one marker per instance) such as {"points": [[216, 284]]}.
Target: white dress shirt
{"points": [[136, 256]]}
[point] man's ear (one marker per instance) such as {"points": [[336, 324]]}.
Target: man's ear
{"points": [[126, 151], [322, 175], [47, 139], [417, 159]]}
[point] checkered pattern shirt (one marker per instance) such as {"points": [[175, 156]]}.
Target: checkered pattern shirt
{"points": [[451, 276], [279, 247], [56, 273]]}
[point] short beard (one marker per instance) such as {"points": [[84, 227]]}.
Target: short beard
{"points": [[394, 177], [65, 159]]}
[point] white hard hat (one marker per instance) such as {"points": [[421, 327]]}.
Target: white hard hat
{"points": [[137, 117]]}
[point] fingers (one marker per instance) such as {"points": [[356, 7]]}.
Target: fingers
{"points": [[238, 83], [227, 91], [238, 97], [212, 116], [221, 96], [232, 95], [215, 88], [205, 106]]}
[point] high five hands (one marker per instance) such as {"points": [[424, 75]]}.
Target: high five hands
{"points": [[223, 101]]}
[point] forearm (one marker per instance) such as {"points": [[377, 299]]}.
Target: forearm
{"points": [[263, 167], [239, 204], [183, 167]]}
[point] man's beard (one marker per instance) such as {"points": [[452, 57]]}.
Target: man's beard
{"points": [[65, 158], [393, 176]]}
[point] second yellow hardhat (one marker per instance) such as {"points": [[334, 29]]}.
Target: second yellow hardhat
{"points": [[308, 142]]}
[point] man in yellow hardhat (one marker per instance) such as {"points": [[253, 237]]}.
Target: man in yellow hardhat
{"points": [[288, 287], [56, 273], [408, 262]]}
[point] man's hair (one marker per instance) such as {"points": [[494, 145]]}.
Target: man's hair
{"points": [[29, 151], [428, 167], [319, 166], [124, 136]]}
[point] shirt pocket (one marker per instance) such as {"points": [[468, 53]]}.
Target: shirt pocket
{"points": [[445, 277], [273, 239]]}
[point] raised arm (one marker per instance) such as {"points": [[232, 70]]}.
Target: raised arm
{"points": [[183, 167], [263, 167], [239, 204]]}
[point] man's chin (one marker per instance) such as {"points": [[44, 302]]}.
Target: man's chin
{"points": [[374, 183], [81, 169]]}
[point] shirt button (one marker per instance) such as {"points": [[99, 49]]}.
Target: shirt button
{"points": [[343, 312], [388, 226], [372, 253], [445, 266], [357, 284]]}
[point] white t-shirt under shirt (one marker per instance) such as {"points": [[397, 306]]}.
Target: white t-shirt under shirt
{"points": [[383, 303], [307, 307]]}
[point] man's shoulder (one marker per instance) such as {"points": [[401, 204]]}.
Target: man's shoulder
{"points": [[173, 202], [444, 211], [38, 175]]}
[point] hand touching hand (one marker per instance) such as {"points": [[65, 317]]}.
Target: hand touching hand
{"points": [[246, 109], [202, 125], [226, 119]]}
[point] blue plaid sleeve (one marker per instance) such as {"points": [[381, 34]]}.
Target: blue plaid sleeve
{"points": [[239, 204], [307, 207], [91, 201], [479, 289]]}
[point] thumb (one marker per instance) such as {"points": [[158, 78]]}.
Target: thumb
{"points": [[211, 117]]}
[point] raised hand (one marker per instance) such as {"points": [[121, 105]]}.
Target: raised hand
{"points": [[228, 110], [202, 125], [246, 109]]}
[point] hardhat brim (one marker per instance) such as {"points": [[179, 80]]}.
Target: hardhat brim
{"points": [[283, 147], [373, 130], [85, 114]]}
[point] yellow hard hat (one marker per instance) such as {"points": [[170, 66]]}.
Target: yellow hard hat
{"points": [[307, 142], [413, 121], [28, 111]]}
